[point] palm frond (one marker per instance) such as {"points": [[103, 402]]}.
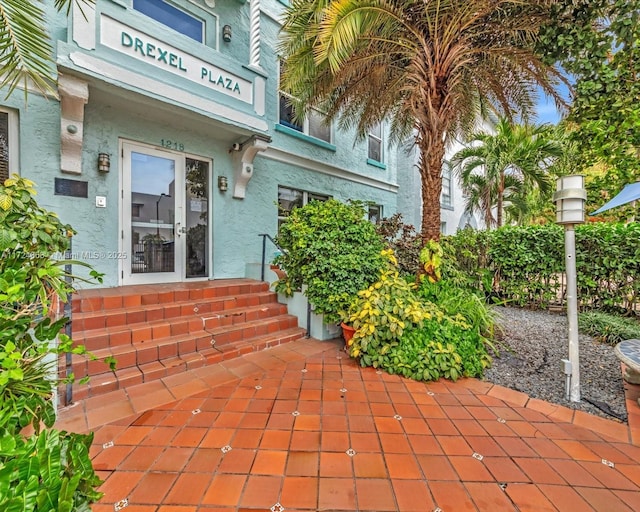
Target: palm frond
{"points": [[432, 67], [25, 51]]}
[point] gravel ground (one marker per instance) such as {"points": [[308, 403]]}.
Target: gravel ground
{"points": [[533, 344]]}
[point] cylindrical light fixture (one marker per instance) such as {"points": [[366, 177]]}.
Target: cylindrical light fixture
{"points": [[226, 33], [104, 162], [223, 183], [569, 197]]}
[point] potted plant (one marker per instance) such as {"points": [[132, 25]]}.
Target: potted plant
{"points": [[332, 249]]}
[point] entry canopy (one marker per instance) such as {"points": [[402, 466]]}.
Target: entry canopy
{"points": [[629, 193]]}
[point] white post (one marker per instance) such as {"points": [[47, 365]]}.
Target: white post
{"points": [[569, 198], [572, 310]]}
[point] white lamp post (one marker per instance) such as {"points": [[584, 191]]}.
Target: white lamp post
{"points": [[569, 198]]}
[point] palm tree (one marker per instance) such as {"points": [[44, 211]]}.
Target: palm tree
{"points": [[508, 163], [26, 55], [431, 67]]}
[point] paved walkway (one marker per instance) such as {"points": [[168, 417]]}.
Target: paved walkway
{"points": [[301, 427]]}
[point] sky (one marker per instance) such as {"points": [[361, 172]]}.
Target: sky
{"points": [[546, 108], [547, 112]]}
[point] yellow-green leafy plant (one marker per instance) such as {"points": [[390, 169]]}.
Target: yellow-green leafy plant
{"points": [[401, 333], [431, 260], [382, 312]]}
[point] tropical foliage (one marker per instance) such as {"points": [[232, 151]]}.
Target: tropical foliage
{"points": [[333, 250], [382, 312], [598, 42], [402, 332], [26, 54], [524, 265], [431, 68], [49, 470], [498, 169]]}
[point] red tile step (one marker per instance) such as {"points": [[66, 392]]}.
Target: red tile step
{"points": [[107, 381], [121, 316], [103, 299], [214, 322], [158, 330]]}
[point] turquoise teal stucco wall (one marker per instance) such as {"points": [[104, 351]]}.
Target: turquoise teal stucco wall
{"points": [[195, 115]]}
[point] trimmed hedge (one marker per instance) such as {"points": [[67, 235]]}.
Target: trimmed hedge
{"points": [[525, 265]]}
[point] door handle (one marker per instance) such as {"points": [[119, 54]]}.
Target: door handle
{"points": [[180, 229]]}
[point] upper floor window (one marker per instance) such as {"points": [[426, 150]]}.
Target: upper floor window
{"points": [[290, 198], [447, 186], [375, 143], [8, 144], [314, 124], [173, 17]]}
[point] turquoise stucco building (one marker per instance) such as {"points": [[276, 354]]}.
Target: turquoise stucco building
{"points": [[171, 149]]}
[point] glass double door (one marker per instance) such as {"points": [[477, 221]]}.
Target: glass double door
{"points": [[165, 212]]}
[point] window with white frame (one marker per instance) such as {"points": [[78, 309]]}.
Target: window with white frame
{"points": [[290, 198], [314, 124], [447, 186], [8, 144], [374, 213], [443, 228], [172, 17], [375, 143]]}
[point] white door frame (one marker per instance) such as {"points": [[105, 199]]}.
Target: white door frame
{"points": [[124, 217], [126, 275]]}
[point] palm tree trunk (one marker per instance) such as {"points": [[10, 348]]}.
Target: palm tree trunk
{"points": [[430, 164], [499, 200]]}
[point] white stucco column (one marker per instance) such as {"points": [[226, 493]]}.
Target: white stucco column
{"points": [[254, 34]]}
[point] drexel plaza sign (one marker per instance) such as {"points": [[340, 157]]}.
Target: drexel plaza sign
{"points": [[129, 41]]}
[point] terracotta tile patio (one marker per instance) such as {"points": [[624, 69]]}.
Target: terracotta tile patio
{"points": [[301, 427]]}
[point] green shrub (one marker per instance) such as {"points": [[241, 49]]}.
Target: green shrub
{"points": [[49, 470], [457, 301], [441, 347], [332, 249], [608, 328], [447, 347], [525, 265], [401, 334], [466, 262], [528, 262], [607, 256]]}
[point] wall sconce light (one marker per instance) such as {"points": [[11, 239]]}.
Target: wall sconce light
{"points": [[226, 33], [223, 183], [104, 162]]}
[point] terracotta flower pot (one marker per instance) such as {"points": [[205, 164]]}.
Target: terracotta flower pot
{"points": [[347, 333]]}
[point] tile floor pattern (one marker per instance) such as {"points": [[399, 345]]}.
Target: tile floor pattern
{"points": [[301, 427]]}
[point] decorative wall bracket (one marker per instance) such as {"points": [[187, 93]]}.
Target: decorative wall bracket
{"points": [[74, 94], [243, 163]]}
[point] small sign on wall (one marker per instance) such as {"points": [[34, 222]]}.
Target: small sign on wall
{"points": [[72, 188]]}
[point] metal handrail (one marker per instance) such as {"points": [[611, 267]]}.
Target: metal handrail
{"points": [[68, 311], [264, 251]]}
